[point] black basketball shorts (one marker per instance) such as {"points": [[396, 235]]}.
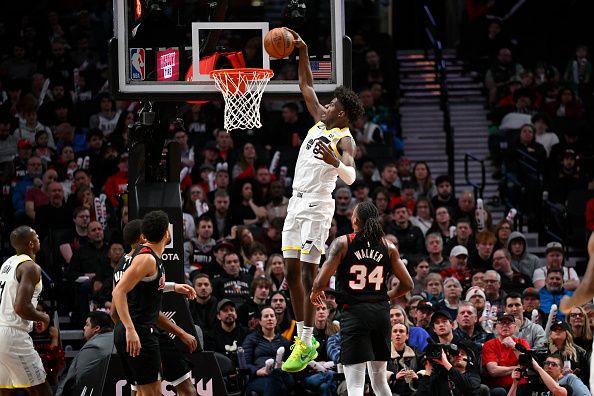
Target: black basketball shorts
{"points": [[365, 333], [146, 367], [176, 363]]}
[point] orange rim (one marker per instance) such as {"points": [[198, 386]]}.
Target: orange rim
{"points": [[250, 73]]}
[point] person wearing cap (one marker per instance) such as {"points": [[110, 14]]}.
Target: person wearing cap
{"points": [[476, 296], [512, 281], [554, 258], [458, 266], [423, 313], [531, 332], [522, 260], [442, 326], [219, 251], [445, 195], [499, 356], [531, 302], [469, 327], [117, 183], [451, 376], [561, 341], [210, 154], [24, 151], [553, 291], [227, 334]]}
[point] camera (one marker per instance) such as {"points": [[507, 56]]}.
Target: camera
{"points": [[526, 369], [433, 351]]}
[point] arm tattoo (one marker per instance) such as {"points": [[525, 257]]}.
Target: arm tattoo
{"points": [[334, 249]]}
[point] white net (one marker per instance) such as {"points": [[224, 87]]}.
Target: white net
{"points": [[242, 90]]}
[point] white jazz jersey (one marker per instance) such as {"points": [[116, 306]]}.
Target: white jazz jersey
{"points": [[313, 175], [8, 291]]}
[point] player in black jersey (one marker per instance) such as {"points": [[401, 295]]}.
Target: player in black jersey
{"points": [[176, 365], [362, 262], [137, 300]]}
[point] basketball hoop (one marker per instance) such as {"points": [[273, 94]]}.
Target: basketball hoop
{"points": [[242, 90]]}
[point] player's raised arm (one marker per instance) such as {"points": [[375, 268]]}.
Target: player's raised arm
{"points": [[399, 269], [333, 258], [306, 79]]}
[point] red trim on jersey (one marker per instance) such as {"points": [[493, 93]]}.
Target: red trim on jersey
{"points": [[145, 250], [351, 237]]}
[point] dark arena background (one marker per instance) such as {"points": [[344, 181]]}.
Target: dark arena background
{"points": [[476, 145]]}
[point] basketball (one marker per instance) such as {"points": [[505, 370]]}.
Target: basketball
{"points": [[279, 43]]}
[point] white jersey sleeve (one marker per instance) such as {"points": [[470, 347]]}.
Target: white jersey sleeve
{"points": [[8, 290]]}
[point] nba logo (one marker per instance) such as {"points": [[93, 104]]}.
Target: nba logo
{"points": [[137, 64]]}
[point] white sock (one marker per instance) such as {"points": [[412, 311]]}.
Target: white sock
{"points": [[354, 375], [278, 362], [377, 374], [299, 329], [306, 335]]}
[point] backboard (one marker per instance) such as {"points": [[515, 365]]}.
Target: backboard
{"points": [[164, 49]]}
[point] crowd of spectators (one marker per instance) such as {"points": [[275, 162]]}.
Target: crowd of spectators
{"points": [[479, 291]]}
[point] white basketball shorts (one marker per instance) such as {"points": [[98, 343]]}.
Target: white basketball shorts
{"points": [[308, 221], [20, 364]]}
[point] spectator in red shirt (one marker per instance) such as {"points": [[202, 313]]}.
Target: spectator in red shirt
{"points": [[500, 358], [117, 183]]}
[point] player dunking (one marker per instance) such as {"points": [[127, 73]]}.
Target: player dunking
{"points": [[326, 152], [175, 364], [137, 299], [583, 294], [362, 262], [20, 287]]}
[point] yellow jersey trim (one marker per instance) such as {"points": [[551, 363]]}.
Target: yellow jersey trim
{"points": [[291, 248]]}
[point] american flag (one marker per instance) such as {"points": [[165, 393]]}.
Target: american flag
{"points": [[321, 69]]}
